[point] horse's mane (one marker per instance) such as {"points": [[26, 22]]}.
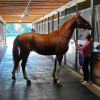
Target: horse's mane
{"points": [[66, 22]]}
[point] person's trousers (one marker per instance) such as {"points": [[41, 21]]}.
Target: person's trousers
{"points": [[86, 68]]}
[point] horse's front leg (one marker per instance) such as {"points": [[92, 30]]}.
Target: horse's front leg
{"points": [[53, 74], [57, 69]]}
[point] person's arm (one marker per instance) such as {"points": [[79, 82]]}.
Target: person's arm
{"points": [[81, 48]]}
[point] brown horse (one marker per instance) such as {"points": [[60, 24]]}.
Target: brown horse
{"points": [[54, 43]]}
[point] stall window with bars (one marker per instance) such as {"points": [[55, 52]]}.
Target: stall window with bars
{"points": [[97, 24]]}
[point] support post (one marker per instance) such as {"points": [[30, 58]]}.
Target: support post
{"points": [[44, 25], [76, 38], [58, 18], [48, 26], [65, 20], [36, 27], [52, 22], [92, 33], [39, 26], [93, 17]]}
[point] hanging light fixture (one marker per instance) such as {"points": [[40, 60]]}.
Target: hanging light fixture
{"points": [[26, 12]]}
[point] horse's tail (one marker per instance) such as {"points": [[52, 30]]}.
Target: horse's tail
{"points": [[15, 52]]}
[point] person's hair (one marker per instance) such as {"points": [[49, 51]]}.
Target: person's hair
{"points": [[89, 37]]}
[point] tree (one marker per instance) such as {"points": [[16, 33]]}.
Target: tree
{"points": [[14, 29]]}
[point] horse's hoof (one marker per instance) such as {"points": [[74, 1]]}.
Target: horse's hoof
{"points": [[28, 82], [53, 75], [55, 81], [13, 78], [59, 84]]}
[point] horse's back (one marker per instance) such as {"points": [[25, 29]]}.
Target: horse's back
{"points": [[46, 44]]}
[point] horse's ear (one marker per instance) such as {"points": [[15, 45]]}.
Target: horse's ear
{"points": [[78, 15]]}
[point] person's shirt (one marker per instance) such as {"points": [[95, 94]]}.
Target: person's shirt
{"points": [[86, 48]]}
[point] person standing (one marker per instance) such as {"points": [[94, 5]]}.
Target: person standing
{"points": [[86, 51], [33, 30]]}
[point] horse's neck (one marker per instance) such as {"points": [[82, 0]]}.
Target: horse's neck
{"points": [[68, 28]]}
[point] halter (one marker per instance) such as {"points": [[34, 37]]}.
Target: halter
{"points": [[80, 24], [77, 20], [80, 29]]}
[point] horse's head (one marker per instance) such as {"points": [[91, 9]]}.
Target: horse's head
{"points": [[82, 23]]}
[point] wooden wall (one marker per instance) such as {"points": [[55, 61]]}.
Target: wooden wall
{"points": [[2, 34]]}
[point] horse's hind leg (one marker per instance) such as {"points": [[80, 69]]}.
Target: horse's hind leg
{"points": [[24, 60], [16, 64], [57, 68], [13, 72]]}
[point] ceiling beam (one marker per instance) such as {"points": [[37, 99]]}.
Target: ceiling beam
{"points": [[11, 10]]}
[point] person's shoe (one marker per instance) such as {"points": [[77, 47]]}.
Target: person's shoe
{"points": [[85, 83], [82, 80]]}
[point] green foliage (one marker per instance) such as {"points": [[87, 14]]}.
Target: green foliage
{"points": [[14, 29]]}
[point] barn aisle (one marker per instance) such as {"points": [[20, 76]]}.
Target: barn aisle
{"points": [[39, 69]]}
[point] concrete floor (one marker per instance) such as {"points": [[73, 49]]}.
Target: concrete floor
{"points": [[39, 69]]}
